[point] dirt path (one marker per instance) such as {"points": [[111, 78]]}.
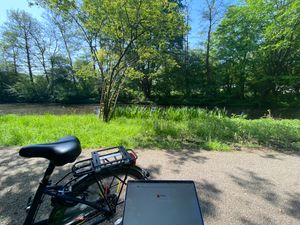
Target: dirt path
{"points": [[251, 188]]}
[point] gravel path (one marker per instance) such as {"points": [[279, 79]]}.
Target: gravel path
{"points": [[247, 187]]}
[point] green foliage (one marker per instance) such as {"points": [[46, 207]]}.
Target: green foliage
{"points": [[23, 90], [6, 80], [135, 51], [256, 45], [170, 128], [121, 34]]}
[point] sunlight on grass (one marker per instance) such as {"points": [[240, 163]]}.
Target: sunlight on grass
{"points": [[153, 128], [216, 145]]}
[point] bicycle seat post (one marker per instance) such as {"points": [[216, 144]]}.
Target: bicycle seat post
{"points": [[48, 173], [39, 195]]}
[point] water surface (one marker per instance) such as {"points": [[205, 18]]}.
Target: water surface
{"points": [[60, 109]]}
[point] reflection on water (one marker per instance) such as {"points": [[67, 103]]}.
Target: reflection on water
{"points": [[58, 109]]}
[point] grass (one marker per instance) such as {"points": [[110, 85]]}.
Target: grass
{"points": [[170, 128]]}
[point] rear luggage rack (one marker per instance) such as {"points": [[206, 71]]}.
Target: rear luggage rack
{"points": [[106, 158]]}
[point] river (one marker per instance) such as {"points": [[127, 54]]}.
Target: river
{"points": [[59, 109]]}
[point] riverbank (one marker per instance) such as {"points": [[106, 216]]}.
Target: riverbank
{"points": [[161, 129], [80, 109]]}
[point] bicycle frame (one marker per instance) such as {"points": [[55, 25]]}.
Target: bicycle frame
{"points": [[44, 189]]}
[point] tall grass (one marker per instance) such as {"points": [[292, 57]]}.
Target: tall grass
{"points": [[170, 113], [169, 128]]}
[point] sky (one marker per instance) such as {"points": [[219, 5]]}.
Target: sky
{"points": [[17, 4], [195, 15]]}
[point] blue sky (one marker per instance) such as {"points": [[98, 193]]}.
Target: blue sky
{"points": [[17, 4], [196, 7], [195, 15]]}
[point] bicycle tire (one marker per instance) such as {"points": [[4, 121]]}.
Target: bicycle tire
{"points": [[69, 215]]}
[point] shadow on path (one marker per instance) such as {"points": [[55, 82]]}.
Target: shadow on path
{"points": [[19, 180], [263, 188], [180, 158], [209, 195], [293, 205], [257, 185]]}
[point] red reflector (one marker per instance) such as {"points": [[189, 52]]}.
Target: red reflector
{"points": [[133, 157]]}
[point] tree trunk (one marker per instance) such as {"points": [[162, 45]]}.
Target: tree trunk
{"points": [[207, 59], [51, 87], [104, 102], [146, 87], [28, 60], [187, 61], [45, 69], [110, 93], [69, 54], [242, 86], [15, 62]]}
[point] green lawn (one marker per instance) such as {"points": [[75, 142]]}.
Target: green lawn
{"points": [[153, 128]]}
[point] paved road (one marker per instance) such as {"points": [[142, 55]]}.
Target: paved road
{"points": [[247, 187]]}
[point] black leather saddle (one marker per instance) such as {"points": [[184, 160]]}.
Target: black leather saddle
{"points": [[64, 151]]}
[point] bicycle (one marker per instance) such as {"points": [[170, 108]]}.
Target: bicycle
{"points": [[95, 191]]}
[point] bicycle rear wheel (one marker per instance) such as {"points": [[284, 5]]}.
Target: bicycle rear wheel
{"points": [[113, 186]]}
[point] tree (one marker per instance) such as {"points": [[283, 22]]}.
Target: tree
{"points": [[10, 51], [40, 44], [281, 43], [257, 47], [8, 68], [65, 33], [236, 45], [20, 26], [152, 62], [116, 31], [212, 15]]}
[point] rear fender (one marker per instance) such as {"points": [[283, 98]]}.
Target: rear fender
{"points": [[142, 172]]}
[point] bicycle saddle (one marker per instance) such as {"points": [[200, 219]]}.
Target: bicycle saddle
{"points": [[64, 151]]}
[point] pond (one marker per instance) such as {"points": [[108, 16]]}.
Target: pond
{"points": [[59, 109]]}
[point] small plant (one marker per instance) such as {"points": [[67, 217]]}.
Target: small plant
{"points": [[217, 146]]}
